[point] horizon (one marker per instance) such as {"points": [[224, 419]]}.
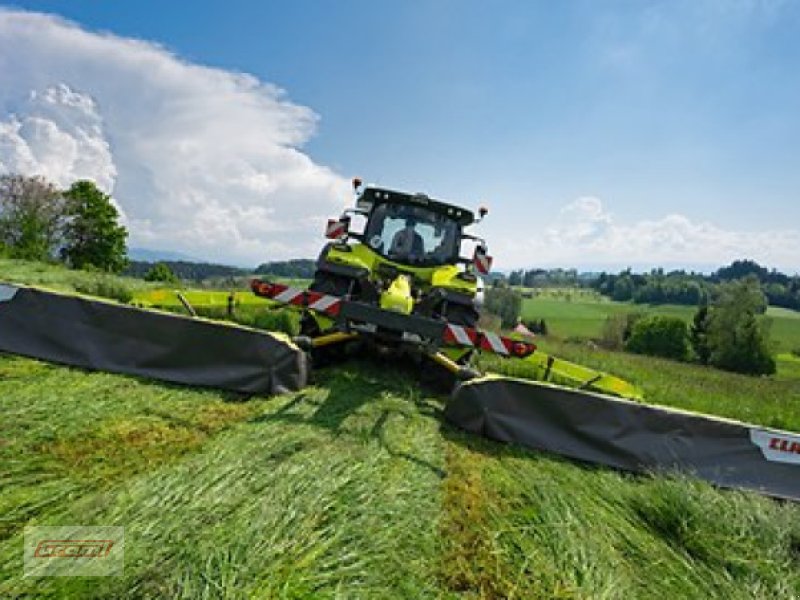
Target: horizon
{"points": [[638, 268]]}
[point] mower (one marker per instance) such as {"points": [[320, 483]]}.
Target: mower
{"points": [[400, 285]]}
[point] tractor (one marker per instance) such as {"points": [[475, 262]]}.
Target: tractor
{"points": [[399, 283]]}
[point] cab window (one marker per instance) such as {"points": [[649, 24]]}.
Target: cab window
{"points": [[413, 234]]}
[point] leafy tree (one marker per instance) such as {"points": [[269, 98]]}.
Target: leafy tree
{"points": [[698, 335], [505, 303], [618, 328], [93, 235], [659, 335], [623, 288], [737, 340], [31, 217], [299, 268], [515, 278], [161, 272], [740, 269]]}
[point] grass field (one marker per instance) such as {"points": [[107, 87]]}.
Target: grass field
{"points": [[357, 488], [580, 314], [353, 488]]}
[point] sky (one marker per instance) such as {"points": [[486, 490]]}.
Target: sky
{"points": [[599, 134]]}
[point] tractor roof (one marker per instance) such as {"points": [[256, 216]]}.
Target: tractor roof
{"points": [[373, 195]]}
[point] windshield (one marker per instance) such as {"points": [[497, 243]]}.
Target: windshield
{"points": [[413, 234]]}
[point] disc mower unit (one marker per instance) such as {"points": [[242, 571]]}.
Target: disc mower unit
{"points": [[106, 336]]}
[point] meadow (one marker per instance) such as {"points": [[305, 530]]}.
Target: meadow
{"points": [[580, 314], [356, 487]]}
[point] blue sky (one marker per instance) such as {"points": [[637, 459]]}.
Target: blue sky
{"points": [[673, 120]]}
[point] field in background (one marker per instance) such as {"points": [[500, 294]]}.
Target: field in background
{"points": [[356, 487], [582, 313]]}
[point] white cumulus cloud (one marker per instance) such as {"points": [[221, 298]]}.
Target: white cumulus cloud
{"points": [[585, 234], [200, 160]]}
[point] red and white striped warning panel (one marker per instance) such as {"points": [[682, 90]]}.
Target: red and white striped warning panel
{"points": [[324, 303], [286, 294], [494, 343], [483, 263], [335, 229], [457, 335]]}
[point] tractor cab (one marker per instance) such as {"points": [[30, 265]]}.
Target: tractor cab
{"points": [[418, 233], [411, 230]]}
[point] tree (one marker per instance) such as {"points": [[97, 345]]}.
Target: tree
{"points": [[737, 340], [161, 272], [505, 303], [739, 269], [93, 236], [698, 335], [515, 278], [31, 217], [617, 329], [659, 335]]}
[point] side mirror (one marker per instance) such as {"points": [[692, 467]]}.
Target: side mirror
{"points": [[482, 261], [337, 229], [483, 211], [356, 183]]}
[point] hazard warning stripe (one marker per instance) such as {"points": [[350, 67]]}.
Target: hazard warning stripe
{"points": [[460, 335], [335, 229], [457, 335], [317, 301], [289, 296], [494, 343], [483, 263], [324, 303]]}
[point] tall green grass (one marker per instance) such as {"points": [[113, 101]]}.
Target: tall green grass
{"points": [[353, 488], [334, 490], [356, 488]]}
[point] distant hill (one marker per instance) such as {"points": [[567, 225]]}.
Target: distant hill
{"points": [[298, 268], [186, 270], [153, 256]]}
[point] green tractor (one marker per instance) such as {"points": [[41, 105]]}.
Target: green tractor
{"points": [[400, 282]]}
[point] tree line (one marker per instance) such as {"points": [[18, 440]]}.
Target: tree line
{"points": [[168, 270], [546, 278], [299, 268], [680, 287], [78, 226]]}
